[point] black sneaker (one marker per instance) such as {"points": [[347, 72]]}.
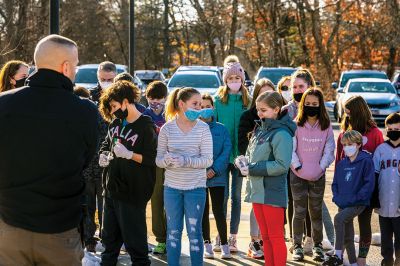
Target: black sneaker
{"points": [[318, 253], [333, 261], [298, 253]]}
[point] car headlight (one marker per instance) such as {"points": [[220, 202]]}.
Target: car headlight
{"points": [[395, 103]]}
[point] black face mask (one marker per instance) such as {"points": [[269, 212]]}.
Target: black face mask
{"points": [[311, 110], [297, 97], [20, 83], [393, 135], [121, 114]]}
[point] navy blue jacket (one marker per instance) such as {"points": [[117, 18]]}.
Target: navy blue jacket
{"points": [[222, 147], [354, 182]]}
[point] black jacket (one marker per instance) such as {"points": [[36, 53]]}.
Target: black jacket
{"points": [[47, 136], [128, 180], [246, 125]]}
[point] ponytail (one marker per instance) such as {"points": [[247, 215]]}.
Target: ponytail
{"points": [[172, 105]]}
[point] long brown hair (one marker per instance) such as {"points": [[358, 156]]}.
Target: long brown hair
{"points": [[360, 116], [272, 99], [259, 84], [8, 72], [305, 74], [323, 117], [172, 105], [223, 93]]}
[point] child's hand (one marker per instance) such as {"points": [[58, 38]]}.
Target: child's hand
{"points": [[178, 161], [210, 173]]}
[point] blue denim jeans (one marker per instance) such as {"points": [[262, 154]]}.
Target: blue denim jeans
{"points": [[188, 203], [236, 198]]}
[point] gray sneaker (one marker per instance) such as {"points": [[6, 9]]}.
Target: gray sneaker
{"points": [[208, 251], [225, 252], [217, 244]]}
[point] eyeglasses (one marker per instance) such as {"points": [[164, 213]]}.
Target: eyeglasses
{"points": [[284, 88]]}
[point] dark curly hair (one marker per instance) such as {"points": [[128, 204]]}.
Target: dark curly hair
{"points": [[118, 92]]}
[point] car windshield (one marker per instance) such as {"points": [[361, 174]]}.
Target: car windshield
{"points": [[371, 87], [89, 75], [275, 75], [149, 76], [194, 81], [346, 77]]}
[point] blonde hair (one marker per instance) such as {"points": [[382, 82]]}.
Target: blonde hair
{"points": [[259, 84], [282, 81], [272, 99], [172, 105], [223, 93], [352, 136]]}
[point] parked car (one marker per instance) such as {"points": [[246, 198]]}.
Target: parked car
{"points": [[396, 81], [86, 75], [274, 73], [380, 95], [148, 76], [352, 74], [203, 81]]}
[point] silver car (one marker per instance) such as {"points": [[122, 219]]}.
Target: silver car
{"points": [[379, 94]]}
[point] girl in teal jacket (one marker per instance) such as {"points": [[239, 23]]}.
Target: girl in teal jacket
{"points": [[266, 164], [231, 101]]}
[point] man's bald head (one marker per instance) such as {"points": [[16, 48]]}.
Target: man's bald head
{"points": [[57, 53]]}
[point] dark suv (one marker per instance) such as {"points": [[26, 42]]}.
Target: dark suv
{"points": [[274, 73]]}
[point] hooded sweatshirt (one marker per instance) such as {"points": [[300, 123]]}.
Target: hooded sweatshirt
{"points": [[313, 150], [128, 180], [221, 151], [270, 153], [354, 182], [292, 107]]}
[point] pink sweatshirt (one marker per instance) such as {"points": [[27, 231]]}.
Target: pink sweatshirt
{"points": [[313, 149]]}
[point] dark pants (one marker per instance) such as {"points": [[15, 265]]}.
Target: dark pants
{"points": [[364, 222], [345, 230], [159, 224], [94, 199], [389, 227], [217, 201], [290, 212], [124, 223], [307, 199]]}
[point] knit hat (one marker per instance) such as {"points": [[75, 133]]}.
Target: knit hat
{"points": [[233, 68]]}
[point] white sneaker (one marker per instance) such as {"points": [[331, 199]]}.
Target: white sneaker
{"points": [[308, 245], [255, 251], [208, 251], [217, 244], [225, 253], [232, 244], [327, 245], [357, 238]]}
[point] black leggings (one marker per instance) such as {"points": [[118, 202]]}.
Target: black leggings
{"points": [[289, 216], [217, 200]]}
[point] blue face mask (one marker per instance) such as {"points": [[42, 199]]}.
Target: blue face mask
{"points": [[207, 113], [192, 114]]}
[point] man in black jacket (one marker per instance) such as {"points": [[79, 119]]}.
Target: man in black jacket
{"points": [[47, 136]]}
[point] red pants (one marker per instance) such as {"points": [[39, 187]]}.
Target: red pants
{"points": [[270, 221]]}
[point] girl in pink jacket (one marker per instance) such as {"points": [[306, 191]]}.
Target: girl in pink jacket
{"points": [[313, 152]]}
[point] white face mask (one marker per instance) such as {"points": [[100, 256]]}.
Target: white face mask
{"points": [[105, 85], [350, 150], [287, 95]]}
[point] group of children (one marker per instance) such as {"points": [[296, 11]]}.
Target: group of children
{"points": [[280, 141]]}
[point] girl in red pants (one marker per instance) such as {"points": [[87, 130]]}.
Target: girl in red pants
{"points": [[266, 164]]}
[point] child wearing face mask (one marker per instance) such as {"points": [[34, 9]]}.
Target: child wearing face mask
{"points": [[352, 187], [217, 179], [284, 88], [128, 153], [313, 152], [185, 151], [266, 164], [156, 95], [231, 101], [386, 161]]}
